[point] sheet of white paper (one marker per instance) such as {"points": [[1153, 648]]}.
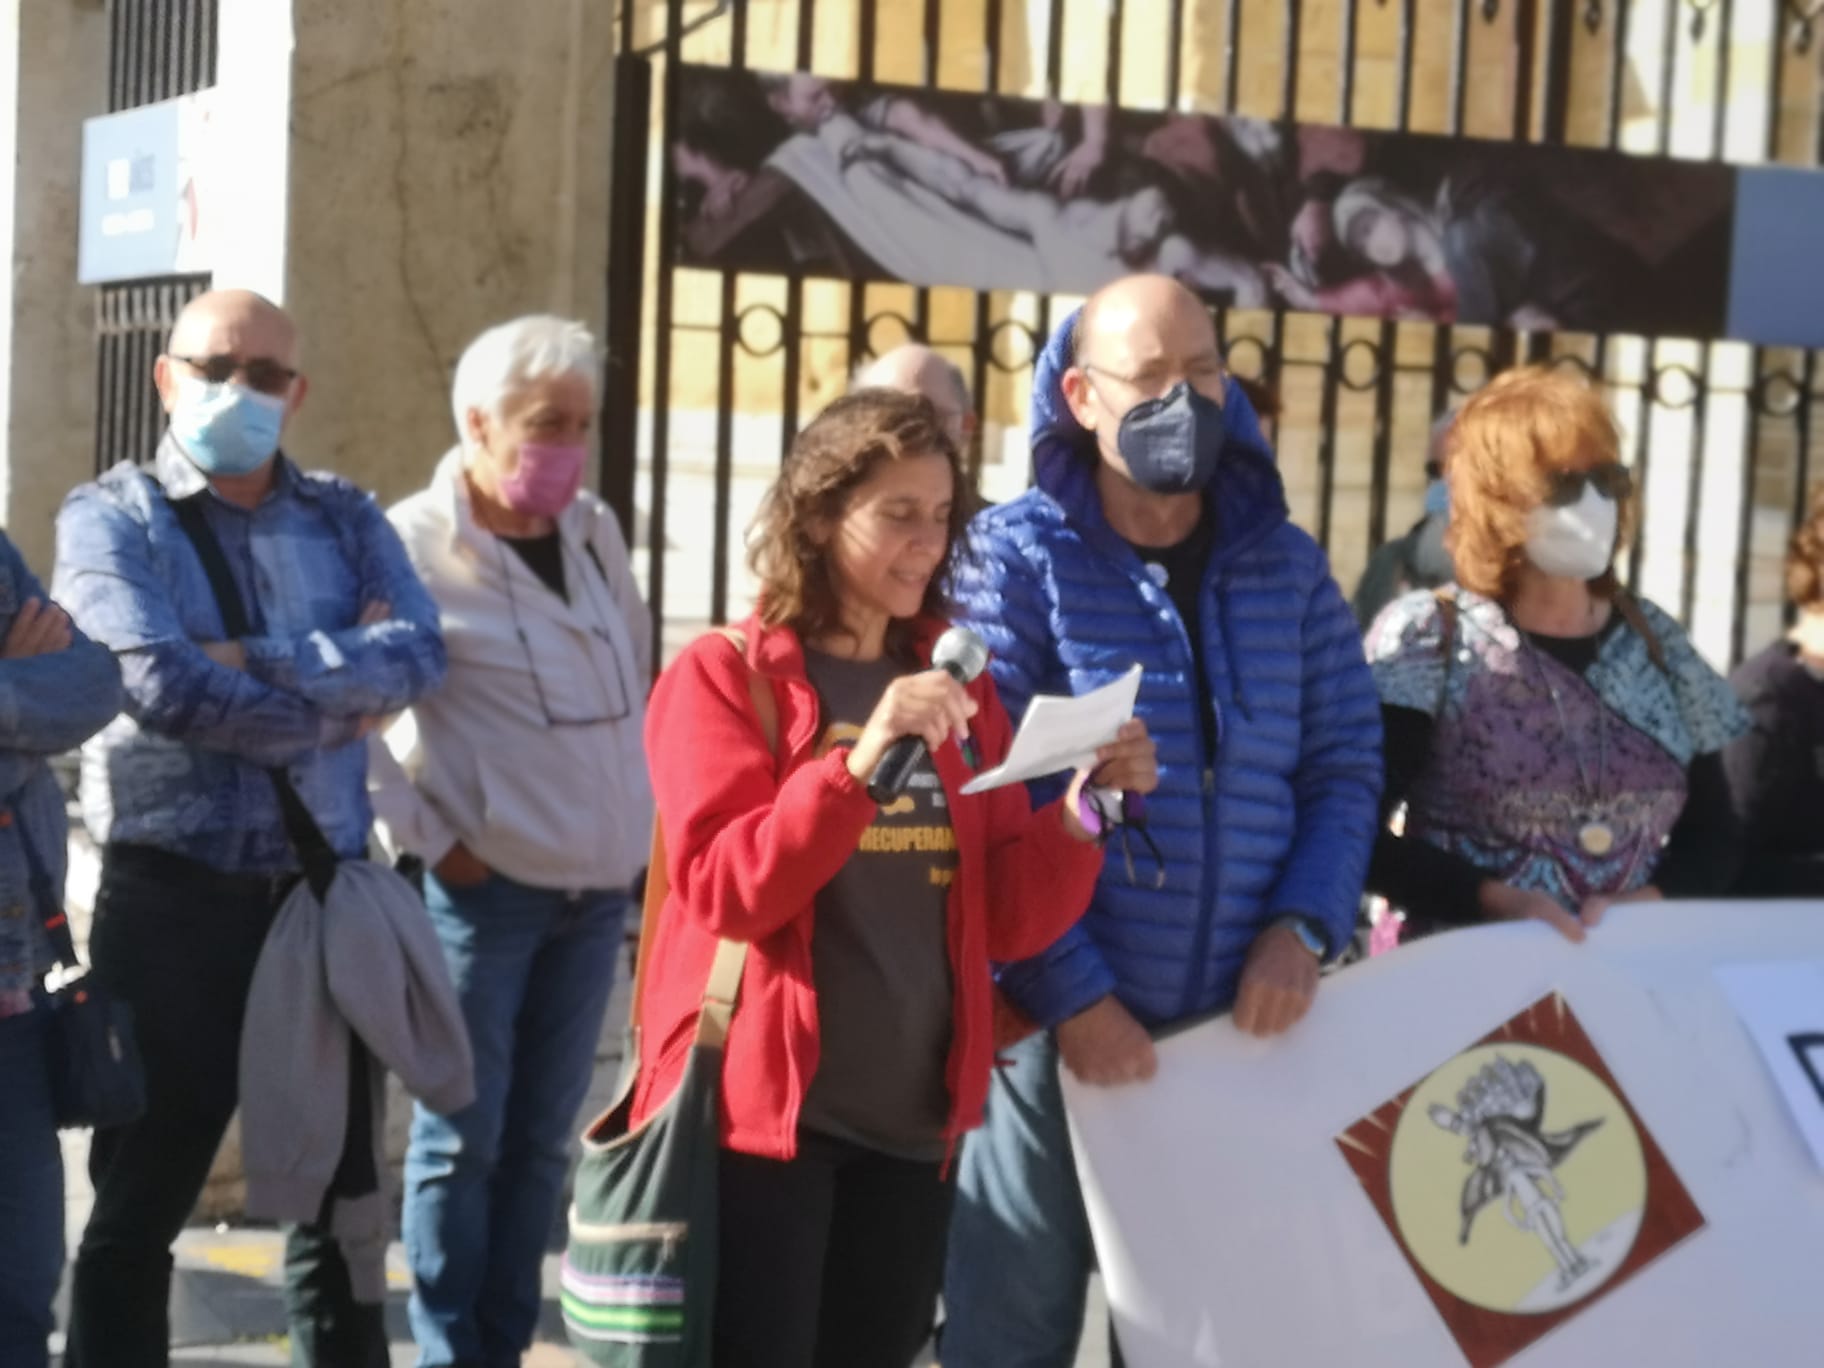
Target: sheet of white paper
{"points": [[1782, 1005], [1062, 733]]}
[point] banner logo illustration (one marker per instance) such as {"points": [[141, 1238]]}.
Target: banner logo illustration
{"points": [[1519, 1182]]}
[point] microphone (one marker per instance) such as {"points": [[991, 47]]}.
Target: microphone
{"points": [[962, 655]]}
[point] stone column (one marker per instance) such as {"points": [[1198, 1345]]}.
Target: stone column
{"points": [[448, 169], [400, 174], [53, 74]]}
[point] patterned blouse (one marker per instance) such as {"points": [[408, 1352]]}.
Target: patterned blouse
{"points": [[1548, 779]]}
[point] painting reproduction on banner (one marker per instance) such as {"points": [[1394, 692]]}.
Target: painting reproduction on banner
{"points": [[794, 173]]}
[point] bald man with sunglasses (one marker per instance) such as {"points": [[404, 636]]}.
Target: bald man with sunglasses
{"points": [[195, 854]]}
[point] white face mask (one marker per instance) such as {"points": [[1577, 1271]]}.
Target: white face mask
{"points": [[1808, 635], [1574, 542]]}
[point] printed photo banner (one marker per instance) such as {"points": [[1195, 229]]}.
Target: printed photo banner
{"points": [[796, 174], [1489, 1147]]}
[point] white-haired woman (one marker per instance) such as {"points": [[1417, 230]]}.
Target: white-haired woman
{"points": [[522, 787]]}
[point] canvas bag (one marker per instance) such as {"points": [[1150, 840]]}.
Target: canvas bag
{"points": [[639, 1269]]}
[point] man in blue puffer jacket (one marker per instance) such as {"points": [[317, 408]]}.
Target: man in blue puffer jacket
{"points": [[1158, 535]]}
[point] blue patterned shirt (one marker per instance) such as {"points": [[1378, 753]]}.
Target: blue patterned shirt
{"points": [[182, 768], [48, 704]]}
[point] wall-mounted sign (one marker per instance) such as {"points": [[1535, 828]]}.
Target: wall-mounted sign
{"points": [[144, 191], [794, 173]]}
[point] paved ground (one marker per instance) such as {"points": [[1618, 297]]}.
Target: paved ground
{"points": [[227, 1307]]}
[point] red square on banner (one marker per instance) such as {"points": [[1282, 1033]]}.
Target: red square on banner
{"points": [[1519, 1182]]}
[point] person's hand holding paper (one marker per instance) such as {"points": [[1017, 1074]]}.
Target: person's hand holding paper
{"points": [[1059, 734]]}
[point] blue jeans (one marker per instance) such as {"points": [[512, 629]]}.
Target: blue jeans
{"points": [[31, 1193], [533, 968], [1020, 1249]]}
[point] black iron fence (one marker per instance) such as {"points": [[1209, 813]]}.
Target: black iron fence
{"points": [[132, 322], [713, 372], [157, 50]]}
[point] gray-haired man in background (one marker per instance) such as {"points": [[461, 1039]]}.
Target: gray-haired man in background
{"points": [[916, 369]]}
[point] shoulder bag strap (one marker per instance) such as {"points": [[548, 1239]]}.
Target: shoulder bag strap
{"points": [[1629, 608], [51, 914], [314, 851], [1448, 612], [724, 983]]}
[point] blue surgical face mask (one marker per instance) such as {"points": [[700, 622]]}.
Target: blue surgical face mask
{"points": [[226, 429], [1172, 444], [1437, 498]]}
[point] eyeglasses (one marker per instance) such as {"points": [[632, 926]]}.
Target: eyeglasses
{"points": [[1126, 818], [1612, 481], [1204, 374], [617, 694], [262, 373]]}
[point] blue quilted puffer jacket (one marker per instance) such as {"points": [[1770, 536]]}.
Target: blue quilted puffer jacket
{"points": [[1283, 820]]}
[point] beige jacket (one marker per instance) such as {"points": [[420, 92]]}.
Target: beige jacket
{"points": [[531, 753]]}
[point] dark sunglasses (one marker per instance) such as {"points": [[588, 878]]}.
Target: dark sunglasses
{"points": [[1612, 481], [261, 373]]}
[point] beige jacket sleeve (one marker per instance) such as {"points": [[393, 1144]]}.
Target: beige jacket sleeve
{"points": [[407, 821]]}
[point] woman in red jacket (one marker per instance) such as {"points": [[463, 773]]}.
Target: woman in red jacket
{"points": [[862, 1040]]}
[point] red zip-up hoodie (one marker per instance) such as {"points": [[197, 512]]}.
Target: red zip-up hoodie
{"points": [[752, 836]]}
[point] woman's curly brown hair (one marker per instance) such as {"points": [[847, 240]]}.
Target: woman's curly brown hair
{"points": [[1507, 444], [833, 457], [1805, 555]]}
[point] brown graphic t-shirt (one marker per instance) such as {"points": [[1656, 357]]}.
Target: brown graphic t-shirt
{"points": [[879, 953]]}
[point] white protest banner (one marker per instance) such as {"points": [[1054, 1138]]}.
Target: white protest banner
{"points": [[1492, 1146], [1782, 1005]]}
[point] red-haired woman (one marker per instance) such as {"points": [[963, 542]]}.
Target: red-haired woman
{"points": [[1555, 742], [861, 1043]]}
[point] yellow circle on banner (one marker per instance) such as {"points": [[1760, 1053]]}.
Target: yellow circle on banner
{"points": [[1517, 1178]]}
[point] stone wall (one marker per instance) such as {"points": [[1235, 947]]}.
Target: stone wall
{"points": [[448, 170], [53, 68]]}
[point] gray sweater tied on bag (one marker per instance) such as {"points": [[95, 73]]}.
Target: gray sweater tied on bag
{"points": [[362, 964]]}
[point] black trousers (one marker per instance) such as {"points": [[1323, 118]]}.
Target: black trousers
{"points": [[829, 1260], [179, 941]]}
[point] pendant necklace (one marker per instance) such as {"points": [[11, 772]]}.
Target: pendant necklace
{"points": [[1595, 836]]}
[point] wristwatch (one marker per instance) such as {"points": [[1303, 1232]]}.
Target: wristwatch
{"points": [[1310, 933]]}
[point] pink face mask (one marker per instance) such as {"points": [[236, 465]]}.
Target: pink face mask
{"points": [[545, 480]]}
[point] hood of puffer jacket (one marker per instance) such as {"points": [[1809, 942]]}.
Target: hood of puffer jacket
{"points": [[1246, 492], [1246, 496]]}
